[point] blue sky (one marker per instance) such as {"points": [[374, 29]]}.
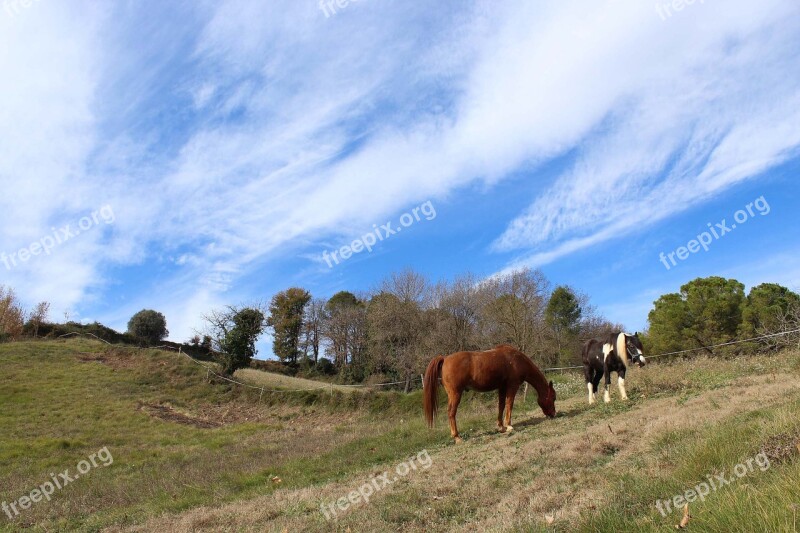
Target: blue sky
{"points": [[230, 143]]}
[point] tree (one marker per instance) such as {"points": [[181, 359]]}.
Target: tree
{"points": [[454, 316], [765, 304], [39, 316], [311, 336], [512, 312], [239, 343], [398, 322], [714, 305], [396, 329], [344, 328], [12, 316], [668, 321], [286, 320], [148, 325], [563, 315], [707, 311]]}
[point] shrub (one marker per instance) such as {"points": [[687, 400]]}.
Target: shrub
{"points": [[148, 325]]}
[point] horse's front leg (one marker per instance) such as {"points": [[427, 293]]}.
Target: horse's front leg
{"points": [[501, 405], [621, 384], [510, 395], [607, 376], [587, 374], [453, 399], [598, 375]]}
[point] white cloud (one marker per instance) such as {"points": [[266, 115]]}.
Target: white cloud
{"points": [[262, 128], [702, 111]]}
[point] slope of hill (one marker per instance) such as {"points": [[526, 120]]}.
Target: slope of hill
{"points": [[189, 455], [278, 381]]}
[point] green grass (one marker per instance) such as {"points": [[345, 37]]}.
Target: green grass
{"points": [[767, 497], [61, 401], [56, 410]]}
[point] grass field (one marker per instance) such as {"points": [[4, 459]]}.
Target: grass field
{"points": [[278, 381], [189, 455]]}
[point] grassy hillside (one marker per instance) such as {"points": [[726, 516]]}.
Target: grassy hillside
{"points": [[272, 380], [177, 440], [193, 455]]}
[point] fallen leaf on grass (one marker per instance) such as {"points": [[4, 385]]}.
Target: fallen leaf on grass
{"points": [[549, 518], [276, 480], [685, 520]]}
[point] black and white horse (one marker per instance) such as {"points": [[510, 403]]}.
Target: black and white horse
{"points": [[602, 358]]}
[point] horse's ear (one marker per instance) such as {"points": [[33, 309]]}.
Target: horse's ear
{"points": [[551, 384]]}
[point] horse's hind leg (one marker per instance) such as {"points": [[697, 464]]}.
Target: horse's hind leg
{"points": [[501, 406], [607, 375], [453, 399]]}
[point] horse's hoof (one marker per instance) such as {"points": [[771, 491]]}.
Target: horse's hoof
{"points": [[509, 428], [459, 440]]}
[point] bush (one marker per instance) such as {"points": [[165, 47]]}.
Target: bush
{"points": [[148, 325]]}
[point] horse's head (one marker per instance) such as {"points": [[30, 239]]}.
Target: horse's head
{"points": [[635, 349], [548, 402]]}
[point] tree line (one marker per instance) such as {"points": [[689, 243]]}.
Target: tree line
{"points": [[715, 310], [392, 331]]}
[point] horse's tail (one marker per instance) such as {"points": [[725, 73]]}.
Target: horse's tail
{"points": [[431, 388]]}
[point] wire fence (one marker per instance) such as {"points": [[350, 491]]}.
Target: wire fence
{"points": [[330, 386]]}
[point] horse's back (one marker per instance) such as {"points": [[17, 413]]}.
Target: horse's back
{"points": [[481, 371]]}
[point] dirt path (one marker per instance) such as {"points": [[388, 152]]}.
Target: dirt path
{"points": [[543, 468]]}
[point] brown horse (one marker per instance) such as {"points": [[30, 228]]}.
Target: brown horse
{"points": [[502, 368]]}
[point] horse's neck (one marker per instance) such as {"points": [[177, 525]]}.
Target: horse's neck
{"points": [[535, 377]]}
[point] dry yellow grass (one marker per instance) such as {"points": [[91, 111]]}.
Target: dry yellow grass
{"points": [[279, 381], [557, 469]]}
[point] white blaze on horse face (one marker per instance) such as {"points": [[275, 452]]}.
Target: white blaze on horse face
{"points": [[621, 384], [591, 392]]}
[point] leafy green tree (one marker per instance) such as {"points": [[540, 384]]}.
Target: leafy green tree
{"points": [[765, 309], [707, 311], [563, 315], [715, 306], [286, 319], [239, 342], [148, 325], [668, 321]]}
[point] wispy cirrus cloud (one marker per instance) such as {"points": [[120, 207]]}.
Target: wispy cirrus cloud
{"points": [[719, 108], [231, 135]]}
